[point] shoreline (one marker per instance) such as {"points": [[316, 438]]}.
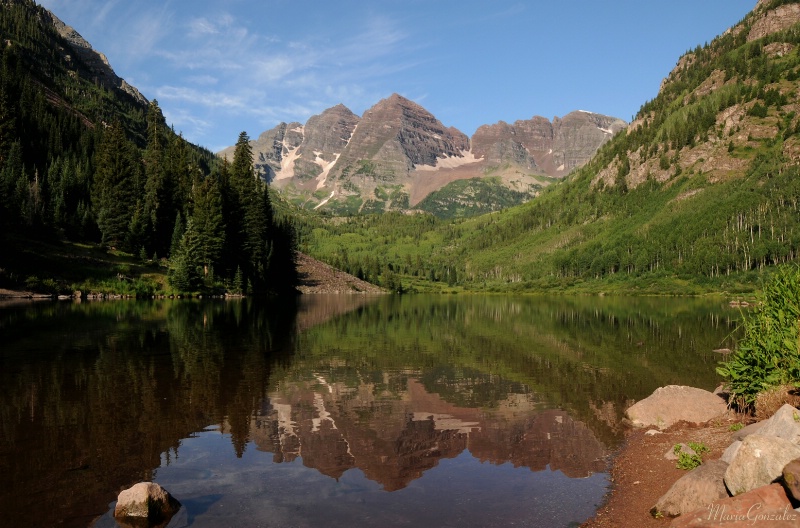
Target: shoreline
{"points": [[640, 474]]}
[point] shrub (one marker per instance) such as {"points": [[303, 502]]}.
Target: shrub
{"points": [[689, 461], [768, 354]]}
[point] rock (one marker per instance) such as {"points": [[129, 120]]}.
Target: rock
{"points": [[758, 462], [674, 403], [697, 489], [653, 432], [146, 500], [791, 478], [766, 506], [785, 423], [730, 452], [742, 433]]}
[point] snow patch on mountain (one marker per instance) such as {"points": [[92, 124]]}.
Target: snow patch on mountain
{"points": [[451, 162]]}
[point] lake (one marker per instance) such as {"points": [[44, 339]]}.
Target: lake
{"points": [[335, 411]]}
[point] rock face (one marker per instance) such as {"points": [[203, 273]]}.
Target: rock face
{"points": [[94, 65], [696, 489], [146, 500], [398, 153], [555, 148], [758, 462], [767, 506], [778, 19], [674, 403]]}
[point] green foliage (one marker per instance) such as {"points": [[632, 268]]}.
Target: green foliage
{"points": [[686, 460], [768, 353], [758, 110], [736, 427]]}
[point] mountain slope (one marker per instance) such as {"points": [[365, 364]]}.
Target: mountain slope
{"points": [[704, 185]]}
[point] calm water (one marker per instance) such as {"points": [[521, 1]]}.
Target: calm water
{"points": [[335, 410]]}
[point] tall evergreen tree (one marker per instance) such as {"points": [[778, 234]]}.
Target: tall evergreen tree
{"points": [[159, 189], [113, 195], [208, 221]]}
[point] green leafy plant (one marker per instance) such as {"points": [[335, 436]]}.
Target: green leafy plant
{"points": [[735, 427], [768, 354], [690, 460]]}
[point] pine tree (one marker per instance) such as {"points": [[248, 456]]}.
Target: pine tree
{"points": [[177, 235], [159, 189], [114, 186], [186, 266], [207, 218]]}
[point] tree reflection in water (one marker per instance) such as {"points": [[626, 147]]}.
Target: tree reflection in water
{"points": [[97, 396]]}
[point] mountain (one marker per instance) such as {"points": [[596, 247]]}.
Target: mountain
{"points": [[397, 154], [700, 193]]}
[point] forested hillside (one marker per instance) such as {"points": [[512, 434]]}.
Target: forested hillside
{"points": [[700, 193], [82, 160]]}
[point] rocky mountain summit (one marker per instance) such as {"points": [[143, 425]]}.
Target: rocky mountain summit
{"points": [[398, 153]]}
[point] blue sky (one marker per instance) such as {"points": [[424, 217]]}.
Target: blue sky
{"points": [[220, 67]]}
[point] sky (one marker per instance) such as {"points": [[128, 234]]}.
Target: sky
{"points": [[218, 68]]}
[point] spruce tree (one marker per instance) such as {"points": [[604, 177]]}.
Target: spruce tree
{"points": [[208, 221], [114, 186], [159, 207]]}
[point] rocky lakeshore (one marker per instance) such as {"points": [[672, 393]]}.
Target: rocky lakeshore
{"points": [[748, 477]]}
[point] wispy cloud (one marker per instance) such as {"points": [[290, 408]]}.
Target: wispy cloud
{"points": [[219, 61], [204, 98]]}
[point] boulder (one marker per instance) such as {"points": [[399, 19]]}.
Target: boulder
{"points": [[697, 489], [758, 462], [791, 478], [766, 506], [731, 451], [748, 430], [674, 403], [146, 501], [785, 423]]}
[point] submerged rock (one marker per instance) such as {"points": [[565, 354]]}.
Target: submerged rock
{"points": [[146, 501]]}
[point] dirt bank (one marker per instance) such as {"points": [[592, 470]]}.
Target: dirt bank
{"points": [[640, 474]]}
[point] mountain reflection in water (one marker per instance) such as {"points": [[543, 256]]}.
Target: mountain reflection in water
{"points": [[95, 397], [394, 438]]}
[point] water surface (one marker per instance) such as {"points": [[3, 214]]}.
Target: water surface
{"points": [[335, 410]]}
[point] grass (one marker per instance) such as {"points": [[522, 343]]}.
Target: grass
{"points": [[61, 267]]}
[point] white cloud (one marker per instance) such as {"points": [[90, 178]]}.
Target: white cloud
{"points": [[200, 27], [203, 98], [203, 80]]}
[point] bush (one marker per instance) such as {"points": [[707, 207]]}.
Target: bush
{"points": [[768, 354]]}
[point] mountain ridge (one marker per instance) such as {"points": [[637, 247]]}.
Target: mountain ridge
{"points": [[398, 153]]}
